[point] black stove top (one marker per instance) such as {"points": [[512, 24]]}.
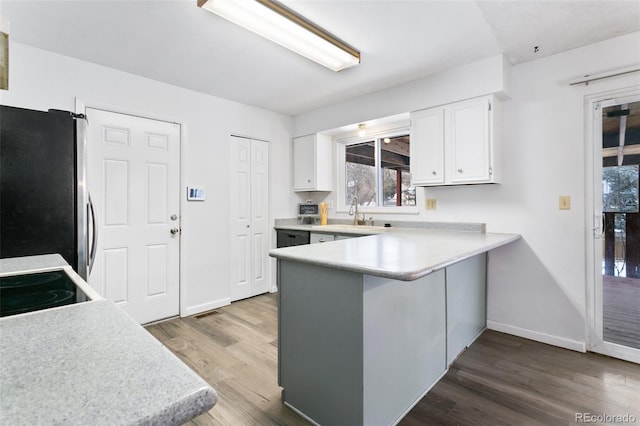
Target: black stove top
{"points": [[33, 292]]}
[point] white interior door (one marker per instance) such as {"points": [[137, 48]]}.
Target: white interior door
{"points": [[249, 217], [134, 180], [614, 295]]}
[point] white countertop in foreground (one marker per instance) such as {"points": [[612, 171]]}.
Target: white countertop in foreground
{"points": [[90, 364], [404, 254]]}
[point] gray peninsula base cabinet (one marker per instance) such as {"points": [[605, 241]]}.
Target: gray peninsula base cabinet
{"points": [[357, 349]]}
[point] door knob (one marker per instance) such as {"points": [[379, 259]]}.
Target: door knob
{"points": [[174, 217], [174, 231]]}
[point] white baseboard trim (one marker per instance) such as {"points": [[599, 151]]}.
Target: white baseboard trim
{"points": [[549, 339], [203, 307]]}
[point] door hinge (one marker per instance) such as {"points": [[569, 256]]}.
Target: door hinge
{"points": [[489, 105]]}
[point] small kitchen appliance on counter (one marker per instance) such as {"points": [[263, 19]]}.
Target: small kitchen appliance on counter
{"points": [[308, 212]]}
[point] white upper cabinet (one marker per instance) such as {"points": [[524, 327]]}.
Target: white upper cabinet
{"points": [[312, 163], [427, 147], [455, 144]]}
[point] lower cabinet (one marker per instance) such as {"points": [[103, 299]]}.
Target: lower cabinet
{"points": [[404, 344], [344, 237], [356, 349], [286, 238], [466, 303], [320, 238]]}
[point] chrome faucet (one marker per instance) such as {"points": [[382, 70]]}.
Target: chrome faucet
{"points": [[354, 212]]}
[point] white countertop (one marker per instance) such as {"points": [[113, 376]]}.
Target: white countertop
{"points": [[89, 363], [31, 264], [404, 254]]}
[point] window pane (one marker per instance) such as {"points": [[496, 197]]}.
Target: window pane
{"points": [[360, 174], [408, 191], [394, 195], [620, 189], [396, 184]]}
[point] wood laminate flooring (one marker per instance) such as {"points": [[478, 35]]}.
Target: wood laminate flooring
{"points": [[499, 380], [621, 310]]}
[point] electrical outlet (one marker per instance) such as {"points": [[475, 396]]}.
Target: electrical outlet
{"points": [[430, 204], [564, 202]]}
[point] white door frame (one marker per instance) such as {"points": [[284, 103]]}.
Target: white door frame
{"points": [[81, 108], [593, 197]]}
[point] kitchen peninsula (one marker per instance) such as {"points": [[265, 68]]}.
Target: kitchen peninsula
{"points": [[368, 325]]}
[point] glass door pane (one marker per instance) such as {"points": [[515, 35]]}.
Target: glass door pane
{"points": [[621, 224]]}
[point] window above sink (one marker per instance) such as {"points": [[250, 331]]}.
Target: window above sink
{"points": [[374, 172]]}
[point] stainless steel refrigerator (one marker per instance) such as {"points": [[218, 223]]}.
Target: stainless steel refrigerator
{"points": [[44, 202]]}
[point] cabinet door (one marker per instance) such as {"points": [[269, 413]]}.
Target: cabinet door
{"points": [[466, 303], [304, 163], [427, 147], [289, 238], [469, 141], [316, 238]]}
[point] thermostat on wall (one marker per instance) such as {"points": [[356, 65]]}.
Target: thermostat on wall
{"points": [[195, 193]]}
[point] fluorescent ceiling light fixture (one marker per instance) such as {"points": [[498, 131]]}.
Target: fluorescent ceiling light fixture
{"points": [[277, 23]]}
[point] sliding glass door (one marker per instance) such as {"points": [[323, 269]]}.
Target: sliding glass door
{"points": [[616, 228]]}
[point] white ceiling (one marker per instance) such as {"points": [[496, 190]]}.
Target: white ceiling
{"points": [[176, 42]]}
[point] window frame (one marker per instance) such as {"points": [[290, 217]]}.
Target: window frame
{"points": [[376, 136]]}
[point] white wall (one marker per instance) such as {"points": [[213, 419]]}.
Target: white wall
{"points": [[537, 287], [491, 75], [44, 80]]}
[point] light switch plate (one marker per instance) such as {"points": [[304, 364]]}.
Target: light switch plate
{"points": [[430, 204], [564, 202]]}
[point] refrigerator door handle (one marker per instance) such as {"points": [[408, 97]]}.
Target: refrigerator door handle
{"points": [[94, 235]]}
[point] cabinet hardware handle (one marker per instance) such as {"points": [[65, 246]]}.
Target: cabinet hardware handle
{"points": [[460, 171], [434, 173]]}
